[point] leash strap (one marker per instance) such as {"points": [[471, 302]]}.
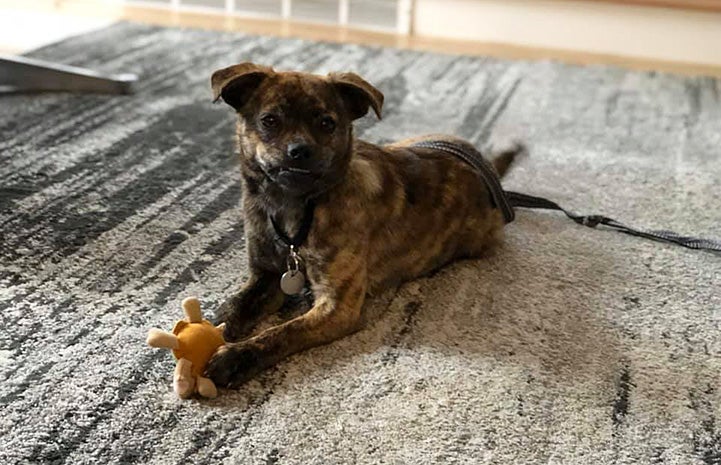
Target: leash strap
{"points": [[507, 200], [528, 201], [474, 158]]}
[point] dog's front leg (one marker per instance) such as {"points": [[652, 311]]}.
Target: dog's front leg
{"points": [[260, 295], [336, 313]]}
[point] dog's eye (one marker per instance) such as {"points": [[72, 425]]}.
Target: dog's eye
{"points": [[269, 121], [328, 124]]}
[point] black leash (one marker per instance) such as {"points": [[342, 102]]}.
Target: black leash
{"points": [[507, 200], [528, 201], [485, 169]]}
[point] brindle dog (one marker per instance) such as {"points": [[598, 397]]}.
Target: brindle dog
{"points": [[384, 214]]}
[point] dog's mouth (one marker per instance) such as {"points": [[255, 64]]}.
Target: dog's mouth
{"points": [[295, 171], [300, 179], [293, 175], [296, 180]]}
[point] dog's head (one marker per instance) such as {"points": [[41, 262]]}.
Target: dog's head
{"points": [[295, 129]]}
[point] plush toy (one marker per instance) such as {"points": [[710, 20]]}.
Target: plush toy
{"points": [[193, 341]]}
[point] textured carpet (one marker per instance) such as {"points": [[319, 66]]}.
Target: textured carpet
{"points": [[568, 346]]}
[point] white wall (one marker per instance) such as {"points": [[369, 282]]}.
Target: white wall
{"points": [[644, 32], [22, 30]]}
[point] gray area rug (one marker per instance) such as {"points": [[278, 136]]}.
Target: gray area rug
{"points": [[568, 346]]}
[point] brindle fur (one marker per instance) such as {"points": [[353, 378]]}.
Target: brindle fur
{"points": [[384, 214]]}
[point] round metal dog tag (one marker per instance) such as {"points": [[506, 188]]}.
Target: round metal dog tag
{"points": [[292, 282]]}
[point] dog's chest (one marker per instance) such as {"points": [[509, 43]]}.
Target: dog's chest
{"points": [[265, 248]]}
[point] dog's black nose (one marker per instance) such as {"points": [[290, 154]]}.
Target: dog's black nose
{"points": [[299, 151]]}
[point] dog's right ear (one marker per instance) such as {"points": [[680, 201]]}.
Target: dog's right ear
{"points": [[235, 84]]}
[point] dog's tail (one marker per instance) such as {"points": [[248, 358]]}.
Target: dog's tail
{"points": [[503, 160]]}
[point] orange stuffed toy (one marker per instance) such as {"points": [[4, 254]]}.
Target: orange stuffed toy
{"points": [[193, 341]]}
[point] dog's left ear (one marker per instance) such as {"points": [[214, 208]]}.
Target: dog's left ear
{"points": [[357, 94], [236, 83]]}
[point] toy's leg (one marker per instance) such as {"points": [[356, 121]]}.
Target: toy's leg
{"points": [[183, 381], [206, 388]]}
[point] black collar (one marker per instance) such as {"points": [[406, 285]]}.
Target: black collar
{"points": [[306, 222]]}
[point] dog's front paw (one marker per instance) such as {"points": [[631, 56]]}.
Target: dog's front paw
{"points": [[237, 325], [234, 364]]}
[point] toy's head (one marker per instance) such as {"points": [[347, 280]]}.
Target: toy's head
{"points": [[193, 341], [197, 338]]}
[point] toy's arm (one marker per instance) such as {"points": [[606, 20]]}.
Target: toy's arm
{"points": [[161, 339], [191, 306]]}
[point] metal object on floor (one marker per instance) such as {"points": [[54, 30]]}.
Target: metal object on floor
{"points": [[23, 74]]}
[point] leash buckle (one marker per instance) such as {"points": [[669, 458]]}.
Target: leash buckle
{"points": [[592, 220]]}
